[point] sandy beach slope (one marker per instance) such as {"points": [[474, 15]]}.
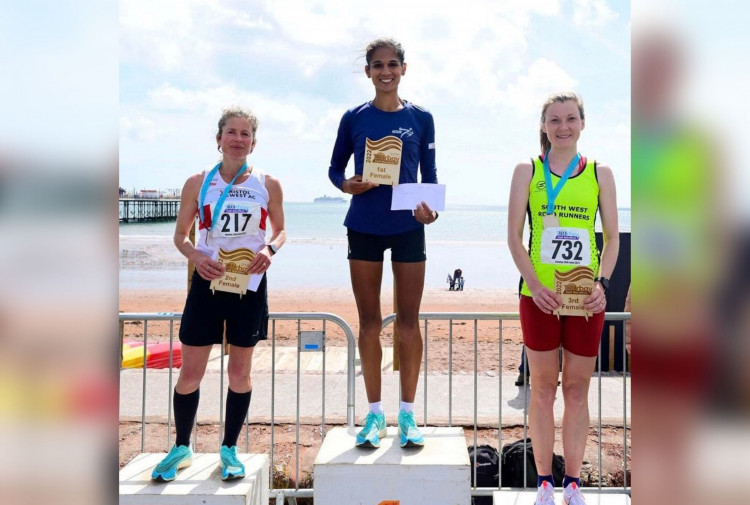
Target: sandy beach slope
{"points": [[340, 301]]}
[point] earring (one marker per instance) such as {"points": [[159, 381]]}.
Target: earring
{"points": [[218, 148]]}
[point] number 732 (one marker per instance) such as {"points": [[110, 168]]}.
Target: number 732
{"points": [[568, 247]]}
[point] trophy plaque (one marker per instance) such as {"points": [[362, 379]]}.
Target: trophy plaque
{"points": [[574, 286], [382, 161], [236, 264]]}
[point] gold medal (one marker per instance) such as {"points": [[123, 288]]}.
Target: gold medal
{"points": [[550, 221]]}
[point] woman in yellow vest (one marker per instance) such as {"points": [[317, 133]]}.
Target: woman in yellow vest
{"points": [[560, 191]]}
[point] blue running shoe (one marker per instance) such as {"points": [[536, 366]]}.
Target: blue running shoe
{"points": [[408, 431], [231, 467], [374, 430], [179, 457]]}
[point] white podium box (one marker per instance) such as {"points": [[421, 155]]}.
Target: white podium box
{"points": [[592, 497], [198, 484], [439, 472]]}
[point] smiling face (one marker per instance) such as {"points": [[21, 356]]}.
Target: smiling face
{"points": [[385, 69], [237, 139], [563, 124]]}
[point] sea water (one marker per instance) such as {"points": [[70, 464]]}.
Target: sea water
{"points": [[470, 237]]}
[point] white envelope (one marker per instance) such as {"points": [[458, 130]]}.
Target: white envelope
{"points": [[408, 196]]}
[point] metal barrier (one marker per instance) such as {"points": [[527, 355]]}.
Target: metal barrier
{"points": [[622, 317], [292, 494], [301, 337]]}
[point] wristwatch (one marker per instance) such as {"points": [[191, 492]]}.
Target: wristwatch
{"points": [[273, 249], [604, 282]]}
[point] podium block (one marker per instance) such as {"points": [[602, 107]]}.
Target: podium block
{"points": [[592, 497], [198, 484], [439, 472]]}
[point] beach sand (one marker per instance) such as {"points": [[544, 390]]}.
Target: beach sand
{"points": [[340, 301]]}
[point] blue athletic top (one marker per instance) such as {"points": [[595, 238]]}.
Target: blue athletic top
{"points": [[370, 212]]}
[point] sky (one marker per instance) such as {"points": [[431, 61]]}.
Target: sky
{"points": [[483, 68]]}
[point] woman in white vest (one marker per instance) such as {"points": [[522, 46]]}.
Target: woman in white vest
{"points": [[233, 202]]}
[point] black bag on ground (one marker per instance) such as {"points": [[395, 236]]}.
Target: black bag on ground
{"points": [[486, 461], [512, 465]]}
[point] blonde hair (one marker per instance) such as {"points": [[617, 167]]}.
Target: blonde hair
{"points": [[237, 111], [565, 96]]}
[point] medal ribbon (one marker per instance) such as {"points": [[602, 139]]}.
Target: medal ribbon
{"points": [[222, 197], [552, 192]]}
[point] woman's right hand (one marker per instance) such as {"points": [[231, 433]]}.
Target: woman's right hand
{"points": [[546, 299], [354, 185], [207, 268]]}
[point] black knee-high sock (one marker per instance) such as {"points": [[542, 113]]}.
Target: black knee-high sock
{"points": [[185, 407], [237, 406]]}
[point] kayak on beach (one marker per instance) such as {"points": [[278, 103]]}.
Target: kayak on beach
{"points": [[157, 355]]}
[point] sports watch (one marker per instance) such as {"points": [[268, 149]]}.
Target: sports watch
{"points": [[273, 249], [604, 282]]}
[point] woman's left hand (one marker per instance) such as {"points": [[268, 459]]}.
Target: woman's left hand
{"points": [[596, 301], [261, 262], [424, 215]]}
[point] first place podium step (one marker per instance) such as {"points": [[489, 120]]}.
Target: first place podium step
{"points": [[438, 473], [198, 484]]}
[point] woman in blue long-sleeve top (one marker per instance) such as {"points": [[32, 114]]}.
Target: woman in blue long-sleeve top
{"points": [[406, 133]]}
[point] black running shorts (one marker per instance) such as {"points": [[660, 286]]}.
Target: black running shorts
{"points": [[206, 312], [406, 247]]}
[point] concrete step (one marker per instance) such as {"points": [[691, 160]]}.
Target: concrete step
{"points": [[198, 484], [438, 399], [435, 473]]}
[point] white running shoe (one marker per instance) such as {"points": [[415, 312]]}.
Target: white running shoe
{"points": [[572, 495], [545, 494]]}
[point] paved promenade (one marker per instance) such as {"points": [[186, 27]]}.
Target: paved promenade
{"points": [[311, 379]]}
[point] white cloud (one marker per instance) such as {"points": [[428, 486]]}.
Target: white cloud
{"points": [[483, 67], [139, 128], [273, 112], [530, 90], [177, 35], [317, 23], [593, 13], [239, 18]]}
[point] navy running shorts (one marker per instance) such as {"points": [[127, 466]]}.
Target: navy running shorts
{"points": [[206, 312], [406, 247]]}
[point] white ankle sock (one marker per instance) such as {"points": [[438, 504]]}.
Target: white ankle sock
{"points": [[376, 408], [408, 407]]}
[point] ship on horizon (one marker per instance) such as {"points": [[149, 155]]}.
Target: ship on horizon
{"points": [[330, 199]]}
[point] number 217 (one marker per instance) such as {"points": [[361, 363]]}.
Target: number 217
{"points": [[227, 219]]}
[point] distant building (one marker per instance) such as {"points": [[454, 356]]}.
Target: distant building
{"points": [[148, 193], [122, 191]]}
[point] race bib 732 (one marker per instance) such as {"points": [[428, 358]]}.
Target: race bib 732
{"points": [[566, 246]]}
